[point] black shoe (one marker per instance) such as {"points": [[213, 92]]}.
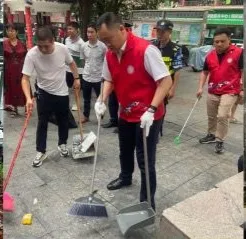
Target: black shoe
{"points": [[210, 138], [110, 124], [219, 147], [117, 184]]}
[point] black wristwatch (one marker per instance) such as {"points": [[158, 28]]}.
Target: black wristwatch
{"points": [[152, 109], [77, 78]]}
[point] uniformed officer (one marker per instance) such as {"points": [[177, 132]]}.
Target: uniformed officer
{"points": [[170, 51], [171, 54]]}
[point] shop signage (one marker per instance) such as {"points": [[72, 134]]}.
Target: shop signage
{"points": [[225, 18]]}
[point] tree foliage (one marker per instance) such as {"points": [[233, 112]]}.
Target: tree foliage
{"points": [[89, 10]]}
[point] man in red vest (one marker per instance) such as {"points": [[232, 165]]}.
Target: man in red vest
{"points": [[224, 66], [135, 70]]}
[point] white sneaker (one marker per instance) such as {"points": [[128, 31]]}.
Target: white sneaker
{"points": [[38, 161], [64, 152], [74, 108]]}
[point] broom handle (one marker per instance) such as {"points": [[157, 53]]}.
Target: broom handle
{"points": [[14, 158], [146, 165], [97, 144], [77, 98], [189, 116]]}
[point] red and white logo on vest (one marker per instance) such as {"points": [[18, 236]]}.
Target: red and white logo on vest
{"points": [[130, 69], [229, 60]]}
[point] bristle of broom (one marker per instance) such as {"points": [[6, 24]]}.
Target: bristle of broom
{"points": [[88, 210]]}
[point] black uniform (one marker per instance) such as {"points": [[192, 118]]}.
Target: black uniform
{"points": [[171, 55]]}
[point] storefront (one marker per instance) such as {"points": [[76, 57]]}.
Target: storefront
{"points": [[230, 18], [41, 13], [189, 24]]}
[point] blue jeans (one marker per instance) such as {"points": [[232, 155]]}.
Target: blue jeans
{"points": [[131, 138]]}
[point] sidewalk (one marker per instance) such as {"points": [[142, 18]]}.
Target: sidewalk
{"points": [[182, 171]]}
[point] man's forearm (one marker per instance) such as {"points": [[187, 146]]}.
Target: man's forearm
{"points": [[162, 90], [26, 87], [203, 79], [106, 91], [74, 69]]}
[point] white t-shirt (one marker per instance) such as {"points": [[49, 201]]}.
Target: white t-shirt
{"points": [[153, 64], [74, 47], [50, 68], [94, 57]]}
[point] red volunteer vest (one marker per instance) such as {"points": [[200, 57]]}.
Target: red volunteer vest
{"points": [[133, 85], [225, 76]]}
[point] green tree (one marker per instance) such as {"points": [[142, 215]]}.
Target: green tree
{"points": [[89, 10]]}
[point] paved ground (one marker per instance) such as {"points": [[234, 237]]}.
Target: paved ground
{"points": [[182, 171]]}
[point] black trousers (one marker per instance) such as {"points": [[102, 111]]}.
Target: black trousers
{"points": [[113, 106], [131, 138], [87, 89], [70, 79], [47, 104]]}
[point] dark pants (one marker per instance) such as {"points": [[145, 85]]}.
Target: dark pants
{"points": [[240, 163], [113, 106], [46, 105], [131, 137], [70, 79], [165, 105], [87, 89]]}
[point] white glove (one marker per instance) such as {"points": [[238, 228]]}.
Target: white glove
{"points": [[146, 121], [100, 109]]}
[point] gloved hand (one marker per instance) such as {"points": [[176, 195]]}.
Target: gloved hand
{"points": [[147, 120], [100, 109]]}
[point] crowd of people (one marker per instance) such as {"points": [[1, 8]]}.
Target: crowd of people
{"points": [[139, 79]]}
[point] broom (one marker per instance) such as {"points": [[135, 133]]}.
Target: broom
{"points": [[8, 200], [87, 141], [177, 138], [91, 206]]}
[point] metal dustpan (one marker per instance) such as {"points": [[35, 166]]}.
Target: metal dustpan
{"points": [[134, 217], [142, 214], [78, 151], [83, 144]]}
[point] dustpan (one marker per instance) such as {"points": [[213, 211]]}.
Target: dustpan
{"points": [[83, 144], [77, 152], [142, 214]]}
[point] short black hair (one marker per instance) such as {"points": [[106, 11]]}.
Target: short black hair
{"points": [[223, 30], [11, 26], [110, 19], [73, 24], [45, 33], [92, 25]]}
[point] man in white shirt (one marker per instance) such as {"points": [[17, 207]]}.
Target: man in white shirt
{"points": [[74, 44], [134, 69], [48, 59], [93, 52]]}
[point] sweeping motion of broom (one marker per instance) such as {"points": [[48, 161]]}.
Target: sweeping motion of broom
{"points": [[8, 200], [177, 138], [90, 205]]}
